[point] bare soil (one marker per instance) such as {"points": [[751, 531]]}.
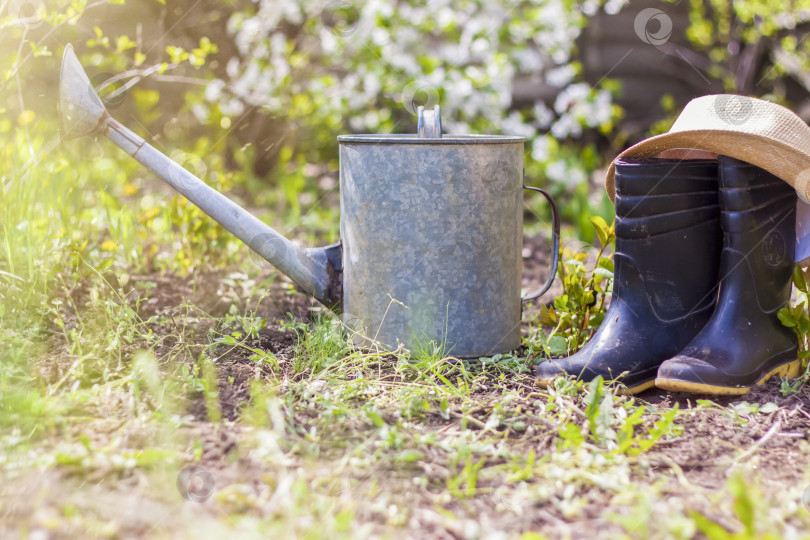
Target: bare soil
{"points": [[710, 437]]}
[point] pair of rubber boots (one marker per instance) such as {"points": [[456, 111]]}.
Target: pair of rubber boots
{"points": [[703, 263]]}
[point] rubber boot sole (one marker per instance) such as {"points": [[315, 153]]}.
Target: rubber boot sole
{"points": [[622, 390], [789, 370]]}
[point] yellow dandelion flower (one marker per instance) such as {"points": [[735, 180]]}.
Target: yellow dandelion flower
{"points": [[109, 245]]}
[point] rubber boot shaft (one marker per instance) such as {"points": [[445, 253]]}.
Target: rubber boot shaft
{"points": [[744, 342], [666, 263]]}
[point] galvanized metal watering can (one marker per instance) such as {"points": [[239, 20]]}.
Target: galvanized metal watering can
{"points": [[431, 229]]}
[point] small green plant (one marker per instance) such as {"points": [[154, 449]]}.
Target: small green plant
{"points": [[320, 345], [746, 504], [796, 315], [580, 309], [616, 423]]}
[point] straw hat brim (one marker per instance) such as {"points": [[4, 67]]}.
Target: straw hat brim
{"points": [[753, 130]]}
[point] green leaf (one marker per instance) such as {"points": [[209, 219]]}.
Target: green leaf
{"points": [[712, 530], [227, 340], [798, 279], [444, 408], [606, 263], [105, 265], [572, 434], [594, 400], [561, 302], [409, 456], [743, 505], [547, 316], [768, 407], [786, 317], [557, 345], [39, 50], [150, 455], [375, 418], [627, 430], [706, 403], [803, 325], [124, 43], [602, 229]]}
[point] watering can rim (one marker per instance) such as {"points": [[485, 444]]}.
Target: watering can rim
{"points": [[409, 138]]}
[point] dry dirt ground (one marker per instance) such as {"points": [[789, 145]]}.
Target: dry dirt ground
{"points": [[277, 467]]}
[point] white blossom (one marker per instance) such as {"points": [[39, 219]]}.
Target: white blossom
{"points": [[469, 53]]}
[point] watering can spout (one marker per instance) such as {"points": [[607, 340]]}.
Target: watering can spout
{"points": [[81, 112], [80, 108]]}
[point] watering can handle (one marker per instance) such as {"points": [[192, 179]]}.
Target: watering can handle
{"points": [[555, 253]]}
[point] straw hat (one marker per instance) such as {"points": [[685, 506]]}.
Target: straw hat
{"points": [[753, 130]]}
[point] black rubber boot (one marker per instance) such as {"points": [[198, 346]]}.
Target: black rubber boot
{"points": [[666, 265], [744, 343]]}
